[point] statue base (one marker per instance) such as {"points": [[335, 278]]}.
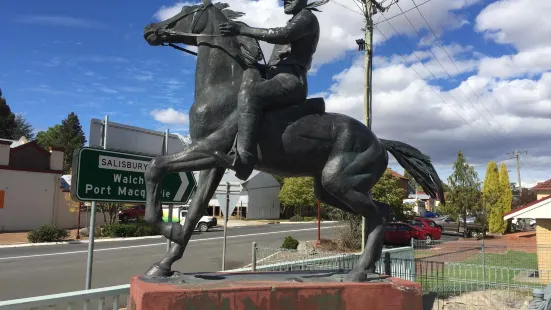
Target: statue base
{"points": [[274, 291]]}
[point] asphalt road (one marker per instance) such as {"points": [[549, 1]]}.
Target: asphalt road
{"points": [[41, 270]]}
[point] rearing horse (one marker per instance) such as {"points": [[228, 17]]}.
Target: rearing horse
{"points": [[343, 156]]}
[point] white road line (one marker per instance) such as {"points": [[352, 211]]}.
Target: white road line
{"points": [[163, 243]]}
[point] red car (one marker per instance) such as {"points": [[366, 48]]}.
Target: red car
{"points": [[402, 233], [432, 229], [133, 213]]}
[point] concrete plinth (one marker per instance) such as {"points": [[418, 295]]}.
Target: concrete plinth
{"points": [[255, 294]]}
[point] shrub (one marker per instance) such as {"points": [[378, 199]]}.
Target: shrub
{"points": [[47, 233], [137, 229], [310, 218], [296, 218], [290, 243]]}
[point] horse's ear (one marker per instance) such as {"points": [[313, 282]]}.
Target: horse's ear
{"points": [[207, 2]]}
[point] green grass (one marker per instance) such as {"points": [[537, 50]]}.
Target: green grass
{"points": [[469, 275], [510, 259]]}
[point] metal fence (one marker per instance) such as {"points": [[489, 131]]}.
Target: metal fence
{"points": [[481, 252], [277, 259], [105, 298], [446, 284]]}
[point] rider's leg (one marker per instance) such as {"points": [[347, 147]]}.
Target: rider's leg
{"points": [[284, 88]]}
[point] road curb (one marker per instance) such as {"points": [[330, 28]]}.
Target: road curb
{"points": [[217, 228], [22, 245]]}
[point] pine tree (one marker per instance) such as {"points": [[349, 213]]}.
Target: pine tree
{"points": [[7, 120], [506, 196], [464, 189], [491, 198], [73, 138], [67, 135]]}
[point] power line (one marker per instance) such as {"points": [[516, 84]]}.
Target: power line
{"points": [[443, 68], [453, 62], [420, 76], [421, 62], [394, 16]]}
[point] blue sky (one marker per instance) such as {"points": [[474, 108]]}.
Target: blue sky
{"points": [[90, 58]]}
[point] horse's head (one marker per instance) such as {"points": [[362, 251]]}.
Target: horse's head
{"points": [[180, 27]]}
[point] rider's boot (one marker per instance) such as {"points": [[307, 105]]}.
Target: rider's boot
{"points": [[243, 159]]}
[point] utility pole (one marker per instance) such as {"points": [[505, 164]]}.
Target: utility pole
{"points": [[370, 8], [516, 154]]}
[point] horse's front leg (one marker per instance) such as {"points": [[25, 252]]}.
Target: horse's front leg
{"points": [[208, 182], [194, 158]]}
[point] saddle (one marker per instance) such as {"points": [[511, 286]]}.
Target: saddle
{"points": [[314, 105]]}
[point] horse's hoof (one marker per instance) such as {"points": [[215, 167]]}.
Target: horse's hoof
{"points": [[157, 271]]}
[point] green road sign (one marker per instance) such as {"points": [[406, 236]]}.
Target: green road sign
{"points": [[102, 175]]}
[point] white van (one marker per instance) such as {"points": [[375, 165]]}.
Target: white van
{"points": [[204, 223]]}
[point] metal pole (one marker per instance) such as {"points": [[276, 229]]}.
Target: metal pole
{"points": [[226, 217], [483, 265], [91, 233], [253, 260], [78, 221], [170, 206], [319, 223], [92, 229], [367, 81]]}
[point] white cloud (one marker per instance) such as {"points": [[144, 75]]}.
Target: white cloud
{"points": [[522, 23], [170, 116], [490, 106], [340, 21]]}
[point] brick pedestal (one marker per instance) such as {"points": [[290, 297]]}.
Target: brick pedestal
{"points": [[397, 294]]}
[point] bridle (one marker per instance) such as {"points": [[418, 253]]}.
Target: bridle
{"points": [[194, 22]]}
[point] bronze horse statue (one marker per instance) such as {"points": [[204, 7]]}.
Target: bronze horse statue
{"points": [[343, 155]]}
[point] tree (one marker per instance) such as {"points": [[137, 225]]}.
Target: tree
{"points": [[388, 190], [464, 190], [411, 181], [7, 120], [51, 137], [23, 128], [68, 135], [506, 196], [527, 196], [298, 192], [491, 196]]}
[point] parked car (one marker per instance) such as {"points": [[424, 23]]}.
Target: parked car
{"points": [[433, 231], [205, 222], [446, 223], [402, 234], [132, 213]]}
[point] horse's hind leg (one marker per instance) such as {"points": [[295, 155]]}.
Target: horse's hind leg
{"points": [[208, 182], [350, 179]]}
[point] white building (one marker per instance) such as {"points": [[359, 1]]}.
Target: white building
{"points": [[259, 196], [30, 193]]}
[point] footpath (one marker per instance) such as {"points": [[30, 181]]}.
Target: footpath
{"points": [[19, 239]]}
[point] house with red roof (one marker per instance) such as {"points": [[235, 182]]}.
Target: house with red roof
{"points": [[541, 211], [30, 193], [542, 189]]}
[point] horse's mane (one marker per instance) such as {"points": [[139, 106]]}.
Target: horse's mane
{"points": [[249, 47]]}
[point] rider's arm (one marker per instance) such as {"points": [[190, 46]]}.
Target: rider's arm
{"points": [[299, 27]]}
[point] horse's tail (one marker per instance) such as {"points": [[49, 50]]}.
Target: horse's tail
{"points": [[418, 165]]}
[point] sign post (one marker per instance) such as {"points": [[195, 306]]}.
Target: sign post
{"points": [[92, 228], [170, 206], [231, 197], [109, 176]]}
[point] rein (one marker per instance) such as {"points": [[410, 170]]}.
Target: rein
{"points": [[191, 34]]}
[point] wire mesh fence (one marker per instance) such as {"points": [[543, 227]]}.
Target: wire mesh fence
{"points": [[479, 252], [447, 278]]}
